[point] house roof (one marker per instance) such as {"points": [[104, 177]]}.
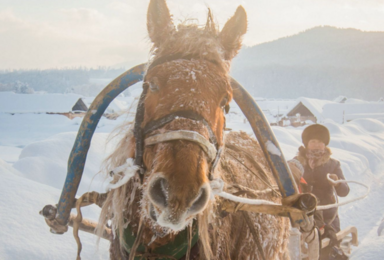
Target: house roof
{"points": [[315, 106]]}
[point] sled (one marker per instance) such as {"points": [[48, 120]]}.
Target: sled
{"points": [[299, 250]]}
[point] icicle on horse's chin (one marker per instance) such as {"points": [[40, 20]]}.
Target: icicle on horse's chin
{"points": [[187, 90]]}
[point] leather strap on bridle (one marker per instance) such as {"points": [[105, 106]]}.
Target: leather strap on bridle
{"points": [[156, 124], [138, 133], [212, 149], [191, 136]]}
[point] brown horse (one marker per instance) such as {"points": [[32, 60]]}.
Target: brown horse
{"points": [[189, 74]]}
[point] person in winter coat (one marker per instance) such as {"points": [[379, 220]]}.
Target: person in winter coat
{"points": [[316, 162]]}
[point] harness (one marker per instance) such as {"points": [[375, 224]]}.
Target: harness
{"points": [[211, 147]]}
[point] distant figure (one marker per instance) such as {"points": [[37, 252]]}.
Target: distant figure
{"points": [[381, 228], [315, 159]]}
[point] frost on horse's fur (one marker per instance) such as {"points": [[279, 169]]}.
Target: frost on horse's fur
{"points": [[200, 84]]}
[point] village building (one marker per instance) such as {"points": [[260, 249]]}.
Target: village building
{"points": [[304, 111], [341, 110], [69, 105]]}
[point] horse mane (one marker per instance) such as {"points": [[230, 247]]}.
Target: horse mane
{"points": [[117, 200]]}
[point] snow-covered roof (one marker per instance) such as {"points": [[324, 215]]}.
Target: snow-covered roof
{"points": [[357, 101], [313, 105], [340, 99], [344, 99], [37, 103]]}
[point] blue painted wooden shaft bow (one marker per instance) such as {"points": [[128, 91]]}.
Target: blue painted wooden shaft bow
{"points": [[80, 148], [266, 138]]}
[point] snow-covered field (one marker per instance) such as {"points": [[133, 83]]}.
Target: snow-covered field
{"points": [[34, 150]]}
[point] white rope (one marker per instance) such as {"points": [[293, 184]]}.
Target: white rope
{"points": [[217, 186], [124, 172], [330, 206], [129, 169]]}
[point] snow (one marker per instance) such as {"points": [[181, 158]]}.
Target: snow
{"points": [[43, 160], [24, 232], [349, 111], [118, 105], [273, 110], [10, 154], [34, 150], [13, 103], [37, 103], [272, 148]]}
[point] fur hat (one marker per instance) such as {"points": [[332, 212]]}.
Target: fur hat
{"points": [[315, 131]]}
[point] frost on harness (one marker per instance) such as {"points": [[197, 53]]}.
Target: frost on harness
{"points": [[180, 187]]}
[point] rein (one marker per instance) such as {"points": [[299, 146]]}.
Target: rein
{"points": [[336, 205]]}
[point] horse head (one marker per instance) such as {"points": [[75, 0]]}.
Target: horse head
{"points": [[187, 92]]}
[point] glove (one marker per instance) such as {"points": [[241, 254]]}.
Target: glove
{"points": [[335, 178], [331, 234]]}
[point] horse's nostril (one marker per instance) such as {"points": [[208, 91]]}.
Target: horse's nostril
{"points": [[158, 192], [152, 212], [201, 201]]}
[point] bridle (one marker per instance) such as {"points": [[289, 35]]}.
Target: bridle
{"points": [[210, 147]]}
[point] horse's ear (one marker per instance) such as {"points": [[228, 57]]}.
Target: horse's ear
{"points": [[159, 22], [231, 35]]}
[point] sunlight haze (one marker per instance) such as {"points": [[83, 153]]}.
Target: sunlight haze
{"points": [[45, 34]]}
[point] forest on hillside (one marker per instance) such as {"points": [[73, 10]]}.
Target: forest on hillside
{"points": [[322, 62], [83, 81]]}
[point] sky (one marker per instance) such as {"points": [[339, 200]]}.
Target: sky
{"points": [[43, 34]]}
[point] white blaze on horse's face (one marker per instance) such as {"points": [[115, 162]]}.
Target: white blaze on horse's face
{"points": [[177, 184]]}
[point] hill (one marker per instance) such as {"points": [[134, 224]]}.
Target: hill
{"points": [[322, 62]]}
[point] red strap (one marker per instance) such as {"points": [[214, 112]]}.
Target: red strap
{"points": [[302, 181]]}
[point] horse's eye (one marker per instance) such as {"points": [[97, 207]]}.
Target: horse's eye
{"points": [[227, 109], [223, 102], [154, 85]]}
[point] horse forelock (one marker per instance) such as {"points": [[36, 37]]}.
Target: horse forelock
{"points": [[191, 39]]}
